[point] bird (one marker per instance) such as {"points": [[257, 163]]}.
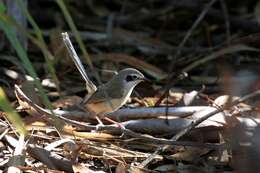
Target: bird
{"points": [[110, 96]]}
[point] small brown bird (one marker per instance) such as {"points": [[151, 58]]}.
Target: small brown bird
{"points": [[111, 96]]}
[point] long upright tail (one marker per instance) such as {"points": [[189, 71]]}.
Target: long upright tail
{"points": [[90, 86]]}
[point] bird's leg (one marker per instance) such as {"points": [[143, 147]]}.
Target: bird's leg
{"points": [[114, 122], [102, 116], [100, 123]]}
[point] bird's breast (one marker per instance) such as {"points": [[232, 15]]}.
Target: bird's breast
{"points": [[112, 105], [106, 106]]}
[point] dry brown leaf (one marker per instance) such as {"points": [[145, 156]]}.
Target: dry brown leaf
{"points": [[189, 154], [121, 168]]}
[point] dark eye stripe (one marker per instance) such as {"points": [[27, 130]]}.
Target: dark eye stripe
{"points": [[131, 78]]}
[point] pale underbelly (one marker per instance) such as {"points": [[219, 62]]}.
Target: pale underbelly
{"points": [[104, 107]]}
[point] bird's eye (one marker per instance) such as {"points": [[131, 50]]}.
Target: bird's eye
{"points": [[131, 78]]}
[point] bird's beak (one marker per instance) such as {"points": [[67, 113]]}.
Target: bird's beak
{"points": [[144, 79]]}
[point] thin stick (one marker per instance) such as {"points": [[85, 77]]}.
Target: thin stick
{"points": [[91, 87], [180, 47]]}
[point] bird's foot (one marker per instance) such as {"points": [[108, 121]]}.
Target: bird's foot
{"points": [[100, 123]]}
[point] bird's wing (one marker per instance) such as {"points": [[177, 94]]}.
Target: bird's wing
{"points": [[101, 96]]}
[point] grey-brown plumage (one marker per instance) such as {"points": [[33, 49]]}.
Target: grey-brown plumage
{"points": [[112, 95]]}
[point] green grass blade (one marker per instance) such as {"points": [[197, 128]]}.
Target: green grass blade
{"points": [[12, 116], [75, 31], [10, 33], [43, 46], [2, 7]]}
